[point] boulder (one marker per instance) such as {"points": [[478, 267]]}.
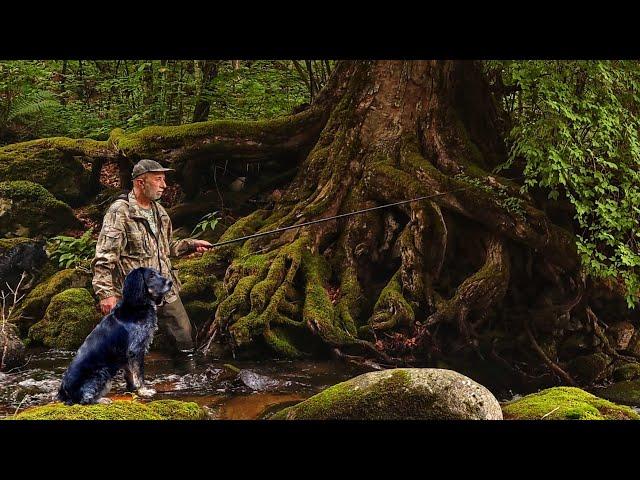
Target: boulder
{"points": [[50, 163], [566, 403], [588, 368], [627, 371], [33, 307], [626, 392], [28, 209], [400, 394], [69, 318]]}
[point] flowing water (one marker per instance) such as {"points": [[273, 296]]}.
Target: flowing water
{"points": [[227, 390]]}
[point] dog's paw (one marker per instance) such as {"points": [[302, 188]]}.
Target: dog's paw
{"points": [[146, 392], [104, 401]]}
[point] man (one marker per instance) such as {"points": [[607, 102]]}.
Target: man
{"points": [[137, 232]]}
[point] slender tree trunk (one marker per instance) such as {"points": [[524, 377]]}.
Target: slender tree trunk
{"points": [[208, 71]]}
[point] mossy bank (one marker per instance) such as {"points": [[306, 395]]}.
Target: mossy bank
{"points": [[566, 403], [118, 410]]}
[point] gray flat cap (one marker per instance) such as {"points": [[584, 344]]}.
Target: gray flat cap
{"points": [[147, 165]]}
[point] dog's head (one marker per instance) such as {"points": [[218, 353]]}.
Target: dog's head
{"points": [[144, 286]]}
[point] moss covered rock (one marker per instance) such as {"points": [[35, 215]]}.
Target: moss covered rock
{"points": [[118, 410], [69, 318], [34, 305], [28, 209], [11, 348], [588, 368], [627, 393], [7, 244], [52, 163], [627, 371], [400, 394], [566, 403]]}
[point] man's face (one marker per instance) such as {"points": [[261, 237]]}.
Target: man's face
{"points": [[153, 185]]}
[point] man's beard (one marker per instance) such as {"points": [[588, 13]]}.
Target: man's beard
{"points": [[150, 193]]}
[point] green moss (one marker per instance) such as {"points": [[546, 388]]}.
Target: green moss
{"points": [[348, 307], [27, 208], [628, 371], [238, 301], [626, 392], [283, 341], [34, 305], [318, 309], [118, 410], [177, 410], [159, 137], [266, 297], [566, 403], [50, 162], [391, 296], [198, 276], [70, 317], [8, 243], [199, 311]]}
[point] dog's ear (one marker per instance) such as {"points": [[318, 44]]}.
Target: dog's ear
{"points": [[134, 291]]}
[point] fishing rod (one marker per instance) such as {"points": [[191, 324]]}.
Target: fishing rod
{"points": [[343, 215]]}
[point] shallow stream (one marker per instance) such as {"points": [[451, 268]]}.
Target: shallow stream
{"points": [[228, 390]]}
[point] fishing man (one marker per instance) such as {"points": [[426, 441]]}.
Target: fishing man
{"points": [[137, 232]]}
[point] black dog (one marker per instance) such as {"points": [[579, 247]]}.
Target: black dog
{"points": [[119, 341]]}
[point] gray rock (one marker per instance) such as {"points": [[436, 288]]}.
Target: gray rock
{"points": [[400, 394], [260, 383]]}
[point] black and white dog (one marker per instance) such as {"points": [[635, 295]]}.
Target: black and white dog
{"points": [[119, 341]]}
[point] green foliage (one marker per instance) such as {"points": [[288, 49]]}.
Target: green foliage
{"points": [[72, 252], [513, 205], [256, 90], [574, 125], [208, 221], [81, 98]]}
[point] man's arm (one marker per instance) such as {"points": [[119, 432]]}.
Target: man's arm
{"points": [[110, 243]]}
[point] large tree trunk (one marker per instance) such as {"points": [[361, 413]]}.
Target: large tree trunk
{"points": [[473, 275]]}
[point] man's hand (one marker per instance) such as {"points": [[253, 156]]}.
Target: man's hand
{"points": [[106, 304], [201, 245]]}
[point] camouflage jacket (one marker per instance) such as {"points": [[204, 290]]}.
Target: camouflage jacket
{"points": [[127, 242]]}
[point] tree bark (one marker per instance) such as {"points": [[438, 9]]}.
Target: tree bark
{"points": [[209, 70]]}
